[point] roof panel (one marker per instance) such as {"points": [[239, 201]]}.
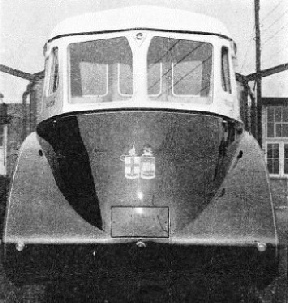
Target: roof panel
{"points": [[142, 16]]}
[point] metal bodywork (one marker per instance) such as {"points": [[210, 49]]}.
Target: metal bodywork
{"points": [[80, 177]]}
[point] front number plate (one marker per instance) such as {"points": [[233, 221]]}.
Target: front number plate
{"points": [[140, 222]]}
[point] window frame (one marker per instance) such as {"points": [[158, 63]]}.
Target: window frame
{"points": [[160, 82], [119, 81], [274, 122], [281, 158], [279, 148]]}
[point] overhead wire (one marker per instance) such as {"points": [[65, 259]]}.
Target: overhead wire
{"points": [[187, 74], [246, 53], [281, 49], [272, 10], [274, 34], [265, 30], [276, 21], [185, 56]]}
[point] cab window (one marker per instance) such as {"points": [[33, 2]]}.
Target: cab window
{"points": [[53, 74], [225, 72], [179, 69], [100, 70]]}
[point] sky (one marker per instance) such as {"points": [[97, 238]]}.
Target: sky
{"points": [[26, 24]]}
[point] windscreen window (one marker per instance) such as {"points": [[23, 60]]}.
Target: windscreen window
{"points": [[101, 70], [125, 78], [179, 68], [154, 78]]}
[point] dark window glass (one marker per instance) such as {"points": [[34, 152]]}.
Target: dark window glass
{"points": [[1, 135], [269, 151], [278, 129], [286, 151], [270, 130], [278, 114], [285, 158], [286, 166], [277, 121], [285, 114], [284, 130], [270, 165], [276, 151], [276, 166], [273, 158], [270, 114]]}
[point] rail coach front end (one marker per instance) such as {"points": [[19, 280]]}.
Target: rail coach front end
{"points": [[140, 164]]}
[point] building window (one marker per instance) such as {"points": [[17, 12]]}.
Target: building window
{"points": [[277, 158], [273, 158], [277, 121], [1, 135], [286, 159]]}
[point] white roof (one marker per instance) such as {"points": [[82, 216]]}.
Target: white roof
{"points": [[141, 16]]}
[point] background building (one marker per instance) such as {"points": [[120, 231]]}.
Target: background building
{"points": [[275, 145], [3, 135]]}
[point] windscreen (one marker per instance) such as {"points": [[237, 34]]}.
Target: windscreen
{"points": [[101, 70], [179, 69]]}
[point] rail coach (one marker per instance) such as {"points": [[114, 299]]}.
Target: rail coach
{"points": [[140, 169]]}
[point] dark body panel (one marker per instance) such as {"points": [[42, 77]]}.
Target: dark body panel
{"points": [[186, 151], [186, 148], [203, 175]]}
